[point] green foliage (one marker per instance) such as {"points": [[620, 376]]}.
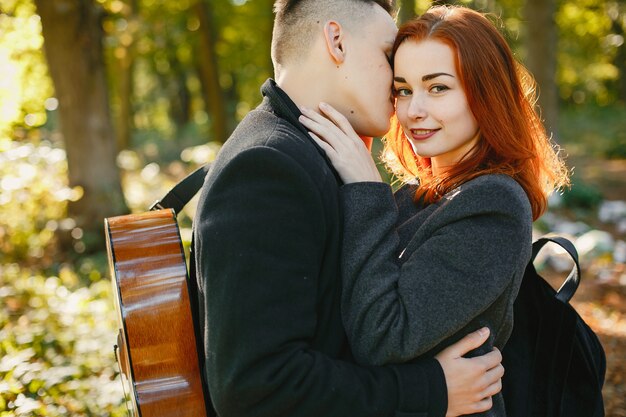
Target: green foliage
{"points": [[25, 88], [160, 38], [57, 323], [56, 319], [587, 49], [155, 39], [244, 49], [56, 341], [594, 131], [33, 201], [581, 195]]}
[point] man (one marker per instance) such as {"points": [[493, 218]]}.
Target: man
{"points": [[268, 235]]}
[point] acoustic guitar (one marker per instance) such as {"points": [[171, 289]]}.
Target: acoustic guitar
{"points": [[156, 349]]}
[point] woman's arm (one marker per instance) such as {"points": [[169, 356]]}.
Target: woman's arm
{"points": [[454, 268], [345, 149]]}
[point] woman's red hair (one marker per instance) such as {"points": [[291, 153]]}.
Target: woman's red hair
{"points": [[501, 95]]}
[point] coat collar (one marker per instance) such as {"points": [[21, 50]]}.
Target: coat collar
{"points": [[278, 102], [281, 104]]}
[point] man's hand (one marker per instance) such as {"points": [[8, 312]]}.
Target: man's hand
{"points": [[471, 382]]}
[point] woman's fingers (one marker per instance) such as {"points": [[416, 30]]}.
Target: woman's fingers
{"points": [[339, 120], [325, 146], [323, 127], [319, 133], [351, 159], [333, 127]]}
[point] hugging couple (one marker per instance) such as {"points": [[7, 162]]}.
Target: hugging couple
{"points": [[321, 291]]}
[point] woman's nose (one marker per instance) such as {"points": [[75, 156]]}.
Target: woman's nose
{"points": [[416, 108]]}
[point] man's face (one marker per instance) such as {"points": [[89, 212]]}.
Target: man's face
{"points": [[365, 96]]}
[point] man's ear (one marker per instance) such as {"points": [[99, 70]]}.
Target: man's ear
{"points": [[333, 36]]}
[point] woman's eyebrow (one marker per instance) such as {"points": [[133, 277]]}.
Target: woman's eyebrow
{"points": [[425, 77], [435, 75]]}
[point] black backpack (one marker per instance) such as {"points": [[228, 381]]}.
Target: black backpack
{"points": [[554, 363]]}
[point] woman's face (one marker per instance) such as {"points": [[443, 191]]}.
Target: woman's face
{"points": [[431, 105]]}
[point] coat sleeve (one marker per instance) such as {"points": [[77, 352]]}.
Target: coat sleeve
{"points": [[395, 311], [259, 235]]}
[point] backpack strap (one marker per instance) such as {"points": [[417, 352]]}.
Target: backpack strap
{"points": [[570, 285], [181, 193]]}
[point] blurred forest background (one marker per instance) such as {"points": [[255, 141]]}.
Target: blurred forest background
{"points": [[105, 104]]}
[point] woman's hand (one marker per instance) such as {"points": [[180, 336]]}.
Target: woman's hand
{"points": [[345, 149]]}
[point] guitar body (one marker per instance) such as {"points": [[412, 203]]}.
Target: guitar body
{"points": [[156, 346]]}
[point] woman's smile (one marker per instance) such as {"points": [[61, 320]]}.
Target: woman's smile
{"points": [[422, 134]]}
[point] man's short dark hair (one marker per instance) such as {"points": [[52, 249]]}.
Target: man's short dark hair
{"points": [[285, 6], [296, 21]]}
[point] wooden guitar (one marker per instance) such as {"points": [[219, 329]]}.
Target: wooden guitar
{"points": [[156, 344]]}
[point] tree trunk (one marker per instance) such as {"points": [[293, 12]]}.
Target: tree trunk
{"points": [[125, 55], [407, 11], [73, 47], [209, 74], [179, 95], [541, 59]]}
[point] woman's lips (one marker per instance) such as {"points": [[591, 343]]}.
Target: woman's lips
{"points": [[422, 134]]}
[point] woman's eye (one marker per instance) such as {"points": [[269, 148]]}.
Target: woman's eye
{"points": [[438, 88], [401, 92]]}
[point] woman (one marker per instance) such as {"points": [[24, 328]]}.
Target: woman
{"points": [[445, 256]]}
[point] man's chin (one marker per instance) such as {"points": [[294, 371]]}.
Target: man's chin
{"points": [[369, 128], [377, 131]]}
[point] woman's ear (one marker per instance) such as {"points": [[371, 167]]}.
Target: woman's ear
{"points": [[333, 36]]}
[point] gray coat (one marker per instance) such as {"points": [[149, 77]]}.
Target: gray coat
{"points": [[416, 279]]}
